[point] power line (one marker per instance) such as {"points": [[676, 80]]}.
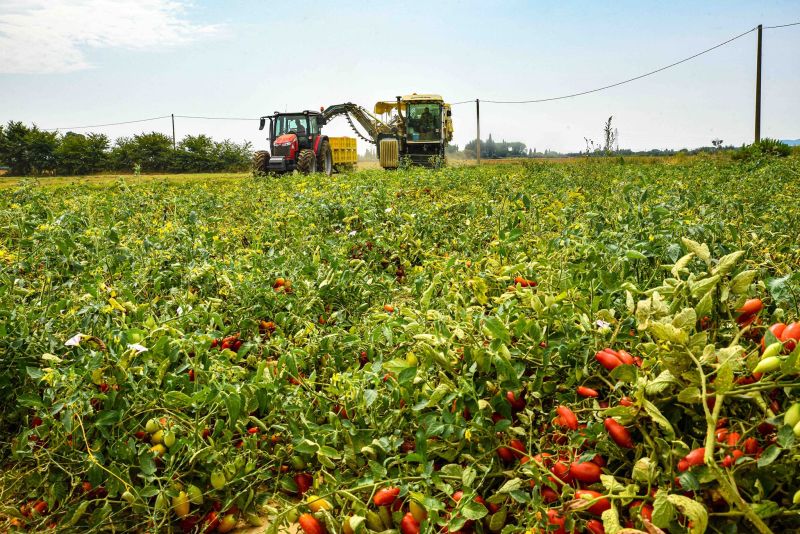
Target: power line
{"points": [[102, 125], [216, 118], [624, 81], [782, 25]]}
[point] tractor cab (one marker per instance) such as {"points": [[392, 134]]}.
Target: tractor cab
{"points": [[423, 128], [295, 143]]}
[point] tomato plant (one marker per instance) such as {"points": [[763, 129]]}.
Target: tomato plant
{"points": [[479, 349]]}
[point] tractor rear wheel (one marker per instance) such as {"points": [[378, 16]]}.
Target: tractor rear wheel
{"points": [[325, 158], [261, 162], [306, 161]]}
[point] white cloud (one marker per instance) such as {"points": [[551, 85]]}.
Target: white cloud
{"points": [[47, 36]]}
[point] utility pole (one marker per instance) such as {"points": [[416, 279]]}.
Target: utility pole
{"points": [[173, 131], [758, 87], [478, 118]]}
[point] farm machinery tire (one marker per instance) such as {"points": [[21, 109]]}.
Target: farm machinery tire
{"points": [[261, 162], [306, 161], [325, 158]]}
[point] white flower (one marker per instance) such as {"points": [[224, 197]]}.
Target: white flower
{"points": [[602, 324], [352, 233], [74, 341], [180, 310], [137, 347], [388, 210]]}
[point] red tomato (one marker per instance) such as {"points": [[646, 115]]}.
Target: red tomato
{"points": [[790, 336], [751, 306], [583, 391], [730, 459], [517, 447], [607, 360], [409, 525], [386, 496], [594, 526], [625, 401], [304, 482], [506, 454], [777, 330], [751, 445], [600, 504], [554, 518], [567, 417], [695, 457], [618, 433], [517, 404], [644, 509], [625, 358], [588, 472], [562, 471], [733, 439], [310, 525]]}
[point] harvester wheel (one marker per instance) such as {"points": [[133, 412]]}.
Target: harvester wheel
{"points": [[306, 161], [261, 162], [325, 158]]}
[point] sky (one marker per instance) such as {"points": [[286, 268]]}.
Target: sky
{"points": [[84, 62]]}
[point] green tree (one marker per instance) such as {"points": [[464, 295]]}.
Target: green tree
{"points": [[82, 154]]}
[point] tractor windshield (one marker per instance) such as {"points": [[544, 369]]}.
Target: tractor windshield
{"points": [[424, 122], [296, 124]]}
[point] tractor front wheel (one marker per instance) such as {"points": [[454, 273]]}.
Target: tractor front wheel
{"points": [[261, 162], [325, 158], [306, 161]]}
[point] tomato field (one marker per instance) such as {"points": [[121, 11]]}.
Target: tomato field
{"points": [[534, 347]]}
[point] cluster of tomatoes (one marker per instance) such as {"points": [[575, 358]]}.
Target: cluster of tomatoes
{"points": [[230, 342]]}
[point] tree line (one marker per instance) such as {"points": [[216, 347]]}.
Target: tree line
{"points": [[28, 150]]}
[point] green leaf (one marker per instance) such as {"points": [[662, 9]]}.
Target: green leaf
{"points": [[770, 455], [234, 405], [668, 332], [498, 519], [701, 287], [474, 510], [370, 395], [634, 255], [705, 304], [690, 395], [497, 329], [727, 263], [786, 437], [692, 509], [741, 282], [685, 320], [701, 251], [146, 463], [468, 476], [177, 399], [659, 419], [624, 373], [611, 522], [108, 417], [510, 485], [765, 509], [661, 383], [724, 380], [681, 264]]}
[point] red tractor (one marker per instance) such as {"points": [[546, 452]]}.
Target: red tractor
{"points": [[296, 143]]}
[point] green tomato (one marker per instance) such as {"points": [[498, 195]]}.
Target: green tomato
{"points": [[152, 426], [195, 495], [128, 497], [792, 415], [773, 350], [218, 480], [169, 438], [767, 365]]}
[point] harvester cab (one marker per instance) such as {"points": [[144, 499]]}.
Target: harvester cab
{"points": [[296, 142]]}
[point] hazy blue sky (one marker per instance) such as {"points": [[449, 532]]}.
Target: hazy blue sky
{"points": [[79, 62]]}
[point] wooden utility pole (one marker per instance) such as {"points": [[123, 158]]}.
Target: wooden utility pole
{"points": [[758, 87], [478, 118], [173, 131]]}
